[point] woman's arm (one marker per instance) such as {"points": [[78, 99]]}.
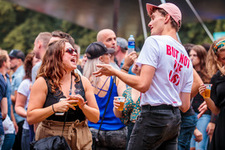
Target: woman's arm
{"points": [[210, 103], [91, 110], [20, 104], [14, 120], [4, 107], [35, 112]]}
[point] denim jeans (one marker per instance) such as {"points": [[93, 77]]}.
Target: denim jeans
{"points": [[17, 143], [188, 124], [156, 129], [1, 140], [25, 141], [202, 124], [8, 141], [32, 134]]}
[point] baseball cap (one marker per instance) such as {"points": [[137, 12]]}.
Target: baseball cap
{"points": [[17, 54], [95, 50], [170, 8], [122, 42]]}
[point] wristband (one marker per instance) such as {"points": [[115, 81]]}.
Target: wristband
{"points": [[53, 108], [125, 69]]}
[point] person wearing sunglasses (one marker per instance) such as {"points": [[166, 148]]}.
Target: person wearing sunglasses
{"points": [[57, 80]]}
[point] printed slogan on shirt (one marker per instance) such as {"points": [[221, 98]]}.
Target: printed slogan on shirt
{"points": [[179, 63]]}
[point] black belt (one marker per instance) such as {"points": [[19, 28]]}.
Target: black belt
{"points": [[159, 107]]}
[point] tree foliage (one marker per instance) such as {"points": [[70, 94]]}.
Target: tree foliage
{"points": [[19, 28]]}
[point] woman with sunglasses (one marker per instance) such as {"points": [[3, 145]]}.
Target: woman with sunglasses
{"points": [[216, 102], [56, 80]]}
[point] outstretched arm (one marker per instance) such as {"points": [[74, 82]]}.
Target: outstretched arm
{"points": [[140, 83]]}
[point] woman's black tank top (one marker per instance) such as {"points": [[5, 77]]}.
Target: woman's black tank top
{"points": [[53, 98]]}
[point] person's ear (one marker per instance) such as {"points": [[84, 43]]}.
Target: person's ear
{"points": [[39, 44], [20, 61], [101, 58], [4, 63], [167, 18]]}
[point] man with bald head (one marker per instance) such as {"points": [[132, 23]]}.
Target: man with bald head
{"points": [[108, 37]]}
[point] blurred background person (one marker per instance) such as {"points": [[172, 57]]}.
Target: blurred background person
{"points": [[82, 63], [16, 59], [22, 99], [4, 66], [189, 118], [9, 123], [40, 47], [198, 57], [121, 50]]}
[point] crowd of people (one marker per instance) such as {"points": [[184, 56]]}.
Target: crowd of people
{"points": [[51, 90]]}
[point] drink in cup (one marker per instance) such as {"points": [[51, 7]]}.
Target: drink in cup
{"points": [[60, 113], [206, 93], [76, 91], [74, 104], [121, 100]]}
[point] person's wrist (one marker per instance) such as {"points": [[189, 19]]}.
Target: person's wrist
{"points": [[125, 68], [53, 109], [83, 106]]}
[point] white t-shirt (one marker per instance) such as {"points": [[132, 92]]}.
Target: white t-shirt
{"points": [[173, 74], [24, 89]]}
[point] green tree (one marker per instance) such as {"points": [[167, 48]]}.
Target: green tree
{"points": [[19, 28]]}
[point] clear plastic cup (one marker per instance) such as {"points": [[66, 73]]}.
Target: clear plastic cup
{"points": [[121, 101], [206, 93], [60, 113]]}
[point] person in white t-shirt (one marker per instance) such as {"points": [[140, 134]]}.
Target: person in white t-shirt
{"points": [[22, 99], [165, 81]]}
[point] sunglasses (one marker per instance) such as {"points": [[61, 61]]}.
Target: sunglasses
{"points": [[71, 51]]}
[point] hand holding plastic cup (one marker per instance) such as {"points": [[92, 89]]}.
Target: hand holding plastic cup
{"points": [[206, 93], [60, 113], [121, 101], [76, 91]]}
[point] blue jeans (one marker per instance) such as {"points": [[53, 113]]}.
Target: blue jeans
{"points": [[1, 140], [188, 124], [8, 141], [32, 134], [156, 128], [25, 141], [201, 126]]}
